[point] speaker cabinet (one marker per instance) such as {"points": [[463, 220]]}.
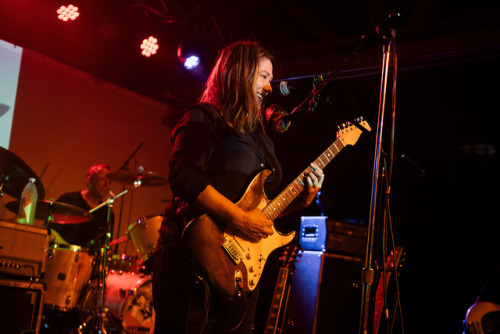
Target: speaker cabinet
{"points": [[21, 306], [23, 249], [325, 295]]}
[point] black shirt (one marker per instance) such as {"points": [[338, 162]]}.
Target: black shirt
{"points": [[207, 151]]}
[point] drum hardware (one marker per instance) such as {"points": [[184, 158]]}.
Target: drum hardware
{"points": [[128, 299], [126, 177], [149, 179], [101, 318]]}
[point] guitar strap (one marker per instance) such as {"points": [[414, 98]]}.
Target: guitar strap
{"points": [[267, 148]]}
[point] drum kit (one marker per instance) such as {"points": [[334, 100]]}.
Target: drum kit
{"points": [[92, 293]]}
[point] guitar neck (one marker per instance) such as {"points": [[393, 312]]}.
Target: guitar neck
{"points": [[281, 202], [276, 303]]}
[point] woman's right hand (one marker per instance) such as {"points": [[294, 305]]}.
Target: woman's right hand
{"points": [[255, 225], [252, 223]]}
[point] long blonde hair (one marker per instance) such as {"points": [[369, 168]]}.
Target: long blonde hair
{"points": [[230, 86]]}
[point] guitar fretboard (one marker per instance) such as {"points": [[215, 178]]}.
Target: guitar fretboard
{"points": [[281, 202]]}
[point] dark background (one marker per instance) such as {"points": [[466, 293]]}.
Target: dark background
{"points": [[443, 205]]}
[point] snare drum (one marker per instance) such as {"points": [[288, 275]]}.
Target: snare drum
{"points": [[129, 297], [144, 235], [67, 272]]}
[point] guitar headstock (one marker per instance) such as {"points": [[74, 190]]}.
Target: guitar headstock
{"points": [[349, 133], [289, 255], [393, 259]]}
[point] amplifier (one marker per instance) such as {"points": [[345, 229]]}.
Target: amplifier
{"points": [[312, 233], [346, 238], [23, 249], [324, 297], [21, 306]]}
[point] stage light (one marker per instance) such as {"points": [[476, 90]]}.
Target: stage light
{"points": [[149, 46], [191, 62], [67, 13], [188, 58]]}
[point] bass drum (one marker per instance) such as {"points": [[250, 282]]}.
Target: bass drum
{"points": [[138, 315], [129, 297]]}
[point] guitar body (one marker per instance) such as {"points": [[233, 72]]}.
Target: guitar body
{"points": [[232, 263], [483, 318]]}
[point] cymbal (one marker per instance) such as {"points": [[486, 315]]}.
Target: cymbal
{"points": [[15, 174], [63, 213], [146, 178]]}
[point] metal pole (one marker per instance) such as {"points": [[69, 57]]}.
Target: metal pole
{"points": [[368, 273]]}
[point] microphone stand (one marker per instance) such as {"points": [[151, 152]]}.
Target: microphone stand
{"points": [[387, 32], [330, 76], [368, 273], [124, 166], [99, 328]]}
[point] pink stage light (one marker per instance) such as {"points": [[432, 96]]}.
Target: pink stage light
{"points": [[67, 13], [149, 46]]}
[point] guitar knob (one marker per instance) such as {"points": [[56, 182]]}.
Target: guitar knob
{"points": [[252, 282], [249, 255], [251, 269]]}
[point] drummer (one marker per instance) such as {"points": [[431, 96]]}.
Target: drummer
{"points": [[88, 234]]}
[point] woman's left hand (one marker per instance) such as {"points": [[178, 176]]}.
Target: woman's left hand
{"points": [[313, 182]]}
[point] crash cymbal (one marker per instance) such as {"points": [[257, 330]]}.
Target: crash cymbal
{"points": [[146, 178], [63, 213], [15, 174]]}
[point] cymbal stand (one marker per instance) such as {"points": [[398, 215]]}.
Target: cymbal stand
{"points": [[103, 267], [124, 166]]}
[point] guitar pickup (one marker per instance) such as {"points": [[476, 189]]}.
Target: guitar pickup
{"points": [[231, 250]]}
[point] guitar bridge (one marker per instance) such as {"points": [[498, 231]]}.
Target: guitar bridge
{"points": [[231, 250]]}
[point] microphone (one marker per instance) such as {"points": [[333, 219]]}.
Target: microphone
{"points": [[286, 88], [278, 118]]}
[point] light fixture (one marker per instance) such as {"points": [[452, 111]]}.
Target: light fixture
{"points": [[67, 13], [189, 52], [149, 46]]}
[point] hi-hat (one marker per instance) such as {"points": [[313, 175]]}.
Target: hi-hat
{"points": [[145, 178], [15, 174], [63, 213]]}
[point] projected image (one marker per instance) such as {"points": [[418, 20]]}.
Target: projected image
{"points": [[10, 63]]}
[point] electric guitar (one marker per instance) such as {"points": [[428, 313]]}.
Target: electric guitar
{"points": [[483, 318], [228, 259], [279, 301]]}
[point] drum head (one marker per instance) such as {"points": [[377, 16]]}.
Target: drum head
{"points": [[138, 312], [144, 235]]}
